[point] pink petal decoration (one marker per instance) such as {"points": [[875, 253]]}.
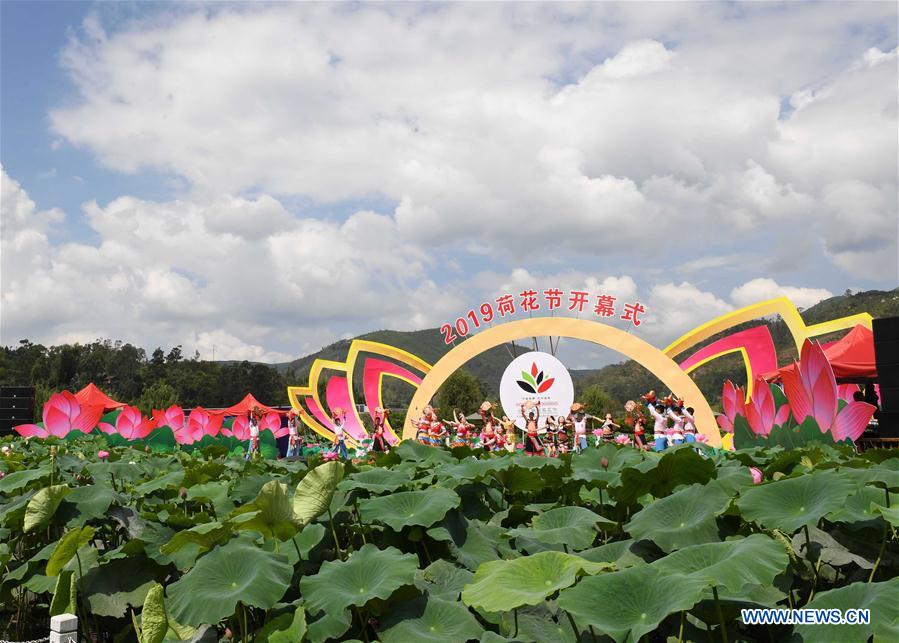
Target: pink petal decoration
{"points": [[31, 431], [817, 377], [852, 421], [88, 418], [106, 427], [172, 417], [272, 422], [757, 343], [240, 428], [797, 396], [132, 425], [725, 423], [373, 374], [847, 391]]}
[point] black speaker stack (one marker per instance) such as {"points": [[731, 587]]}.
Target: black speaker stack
{"points": [[16, 407], [886, 353]]}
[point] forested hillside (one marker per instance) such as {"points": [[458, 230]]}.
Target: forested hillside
{"points": [[129, 374]]}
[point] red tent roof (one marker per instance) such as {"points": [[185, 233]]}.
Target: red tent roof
{"points": [[245, 406], [90, 395], [852, 357]]}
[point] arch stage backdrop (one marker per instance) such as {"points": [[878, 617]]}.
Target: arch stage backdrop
{"points": [[378, 361]]}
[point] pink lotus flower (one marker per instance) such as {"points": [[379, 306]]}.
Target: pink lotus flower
{"points": [[103, 455], [700, 437], [761, 412], [130, 424], [733, 400], [811, 389], [756, 475], [63, 414], [172, 417], [329, 455], [621, 438], [597, 432], [199, 423], [272, 422], [240, 428]]}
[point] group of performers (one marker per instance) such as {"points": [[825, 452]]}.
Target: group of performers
{"points": [[673, 424]]}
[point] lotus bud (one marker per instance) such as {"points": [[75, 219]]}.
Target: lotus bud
{"points": [[2, 475], [53, 452], [103, 455], [182, 492], [604, 462], [756, 475], [228, 633]]}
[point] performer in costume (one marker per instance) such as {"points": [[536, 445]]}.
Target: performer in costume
{"points": [[293, 438], [676, 432], [689, 425], [531, 414], [578, 419], [660, 427], [509, 427], [254, 416], [552, 436], [565, 427], [340, 433], [640, 433], [607, 424], [422, 431], [379, 442], [463, 430], [488, 438]]}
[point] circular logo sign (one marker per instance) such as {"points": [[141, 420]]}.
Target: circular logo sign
{"points": [[536, 377]]}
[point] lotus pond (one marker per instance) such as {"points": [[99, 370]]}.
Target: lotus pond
{"points": [[428, 544]]}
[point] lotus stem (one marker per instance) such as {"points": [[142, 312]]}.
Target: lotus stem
{"points": [[577, 634], [243, 623], [299, 555], [883, 544], [680, 630], [720, 614], [334, 534], [515, 616]]}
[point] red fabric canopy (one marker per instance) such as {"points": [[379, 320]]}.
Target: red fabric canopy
{"points": [[90, 395], [852, 357], [243, 407]]}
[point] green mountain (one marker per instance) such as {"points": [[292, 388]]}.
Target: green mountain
{"points": [[622, 381]]}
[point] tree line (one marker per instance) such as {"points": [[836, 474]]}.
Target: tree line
{"points": [[126, 373]]}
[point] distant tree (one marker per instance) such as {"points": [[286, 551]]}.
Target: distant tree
{"points": [[159, 395], [598, 402], [462, 391], [174, 355]]}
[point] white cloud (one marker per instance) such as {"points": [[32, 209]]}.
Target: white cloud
{"points": [[762, 289]]}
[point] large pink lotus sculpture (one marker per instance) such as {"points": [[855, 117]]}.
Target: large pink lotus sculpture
{"points": [[130, 424], [811, 393], [62, 415]]}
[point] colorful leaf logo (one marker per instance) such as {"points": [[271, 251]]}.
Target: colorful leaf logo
{"points": [[534, 381]]}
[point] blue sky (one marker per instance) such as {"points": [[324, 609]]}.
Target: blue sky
{"points": [[270, 177]]}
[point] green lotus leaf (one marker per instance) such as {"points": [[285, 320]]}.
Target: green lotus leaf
{"points": [[623, 553], [442, 579], [684, 518], [406, 508], [503, 585], [375, 480], [111, 587], [589, 467], [517, 479], [315, 491], [627, 604], [154, 623], [732, 564], [369, 573], [859, 506], [65, 596], [430, 619], [170, 480], [87, 503], [886, 475], [103, 472], [538, 624], [284, 628], [43, 505], [791, 503], [890, 514], [881, 598], [20, 479], [827, 549], [237, 572], [574, 527], [471, 542], [330, 624], [66, 547], [679, 466], [274, 517], [421, 454]]}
